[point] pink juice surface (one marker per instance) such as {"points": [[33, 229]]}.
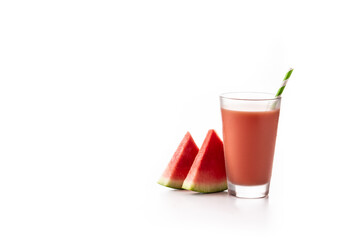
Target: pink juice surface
{"points": [[249, 143]]}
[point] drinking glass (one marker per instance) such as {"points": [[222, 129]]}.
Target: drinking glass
{"points": [[250, 122]]}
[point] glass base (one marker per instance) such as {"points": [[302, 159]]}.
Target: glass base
{"points": [[257, 191]]}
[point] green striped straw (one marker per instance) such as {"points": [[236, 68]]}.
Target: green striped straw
{"points": [[284, 82], [282, 87]]}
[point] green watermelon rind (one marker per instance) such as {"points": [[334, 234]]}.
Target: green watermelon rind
{"points": [[167, 182], [205, 188]]}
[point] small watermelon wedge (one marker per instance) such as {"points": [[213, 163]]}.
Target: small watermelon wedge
{"points": [[207, 174], [180, 164]]}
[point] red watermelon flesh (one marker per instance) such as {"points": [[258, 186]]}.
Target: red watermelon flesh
{"points": [[180, 164], [207, 174]]}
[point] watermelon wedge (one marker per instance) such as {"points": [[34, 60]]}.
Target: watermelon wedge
{"points": [[207, 174], [180, 164]]}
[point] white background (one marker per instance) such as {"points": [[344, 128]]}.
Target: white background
{"points": [[96, 95]]}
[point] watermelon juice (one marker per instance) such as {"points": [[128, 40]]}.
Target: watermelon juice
{"points": [[250, 123]]}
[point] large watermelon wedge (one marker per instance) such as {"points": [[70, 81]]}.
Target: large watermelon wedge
{"points": [[180, 164], [207, 174]]}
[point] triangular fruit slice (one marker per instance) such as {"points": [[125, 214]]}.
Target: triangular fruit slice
{"points": [[207, 174], [180, 164]]}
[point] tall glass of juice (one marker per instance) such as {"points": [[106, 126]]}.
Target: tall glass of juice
{"points": [[250, 122]]}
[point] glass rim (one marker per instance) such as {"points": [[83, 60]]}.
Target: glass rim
{"points": [[224, 96]]}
